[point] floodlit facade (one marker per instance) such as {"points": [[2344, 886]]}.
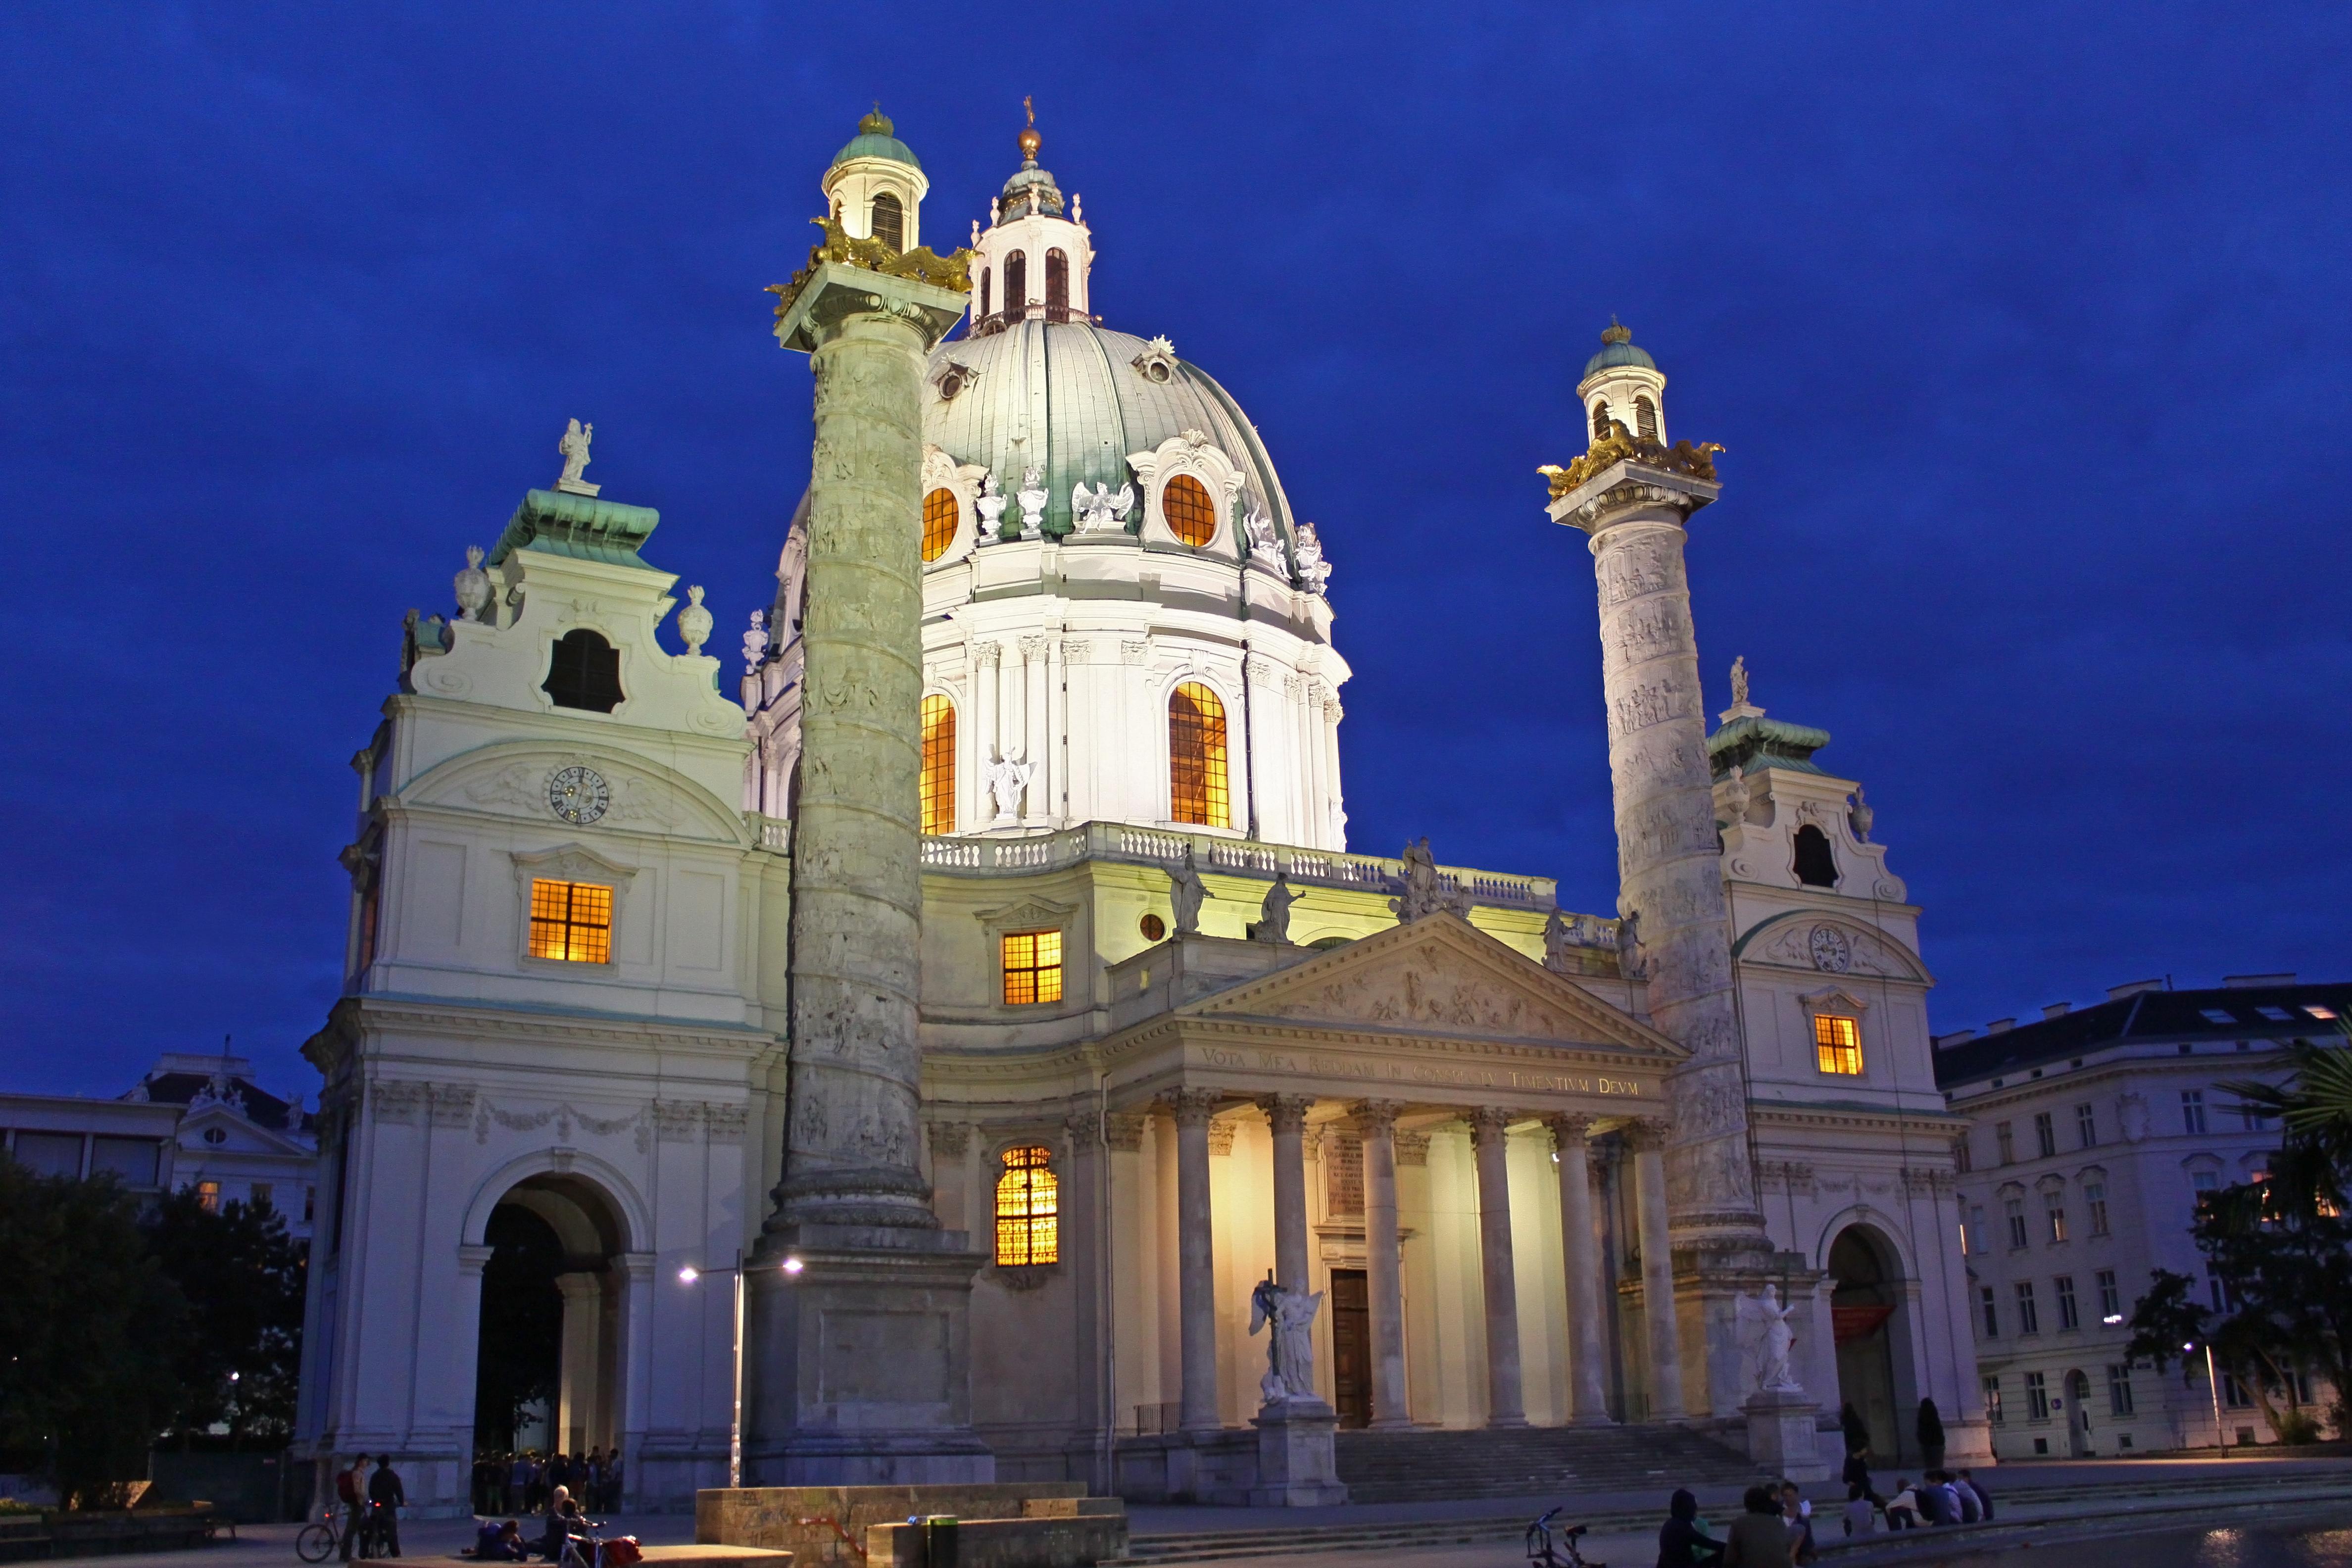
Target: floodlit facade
{"points": [[1175, 1035]]}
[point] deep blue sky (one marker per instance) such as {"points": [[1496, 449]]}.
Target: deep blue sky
{"points": [[2027, 330]]}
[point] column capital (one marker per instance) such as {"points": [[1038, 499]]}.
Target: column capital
{"points": [[1570, 1127], [950, 1137], [471, 1259], [823, 297], [1370, 1114], [1123, 1130], [1285, 1112], [1647, 1133], [1193, 1107], [1083, 1131], [1490, 1122]]}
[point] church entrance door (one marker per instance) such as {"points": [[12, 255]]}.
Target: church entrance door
{"points": [[1866, 1313], [547, 1368], [1351, 1347]]}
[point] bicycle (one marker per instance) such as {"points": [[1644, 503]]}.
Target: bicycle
{"points": [[599, 1552], [320, 1539], [1541, 1551]]}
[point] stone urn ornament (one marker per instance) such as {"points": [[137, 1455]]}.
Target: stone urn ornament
{"points": [[473, 585], [694, 622]]}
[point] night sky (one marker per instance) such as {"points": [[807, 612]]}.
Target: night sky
{"points": [[2026, 329]]}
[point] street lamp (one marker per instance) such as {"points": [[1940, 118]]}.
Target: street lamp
{"points": [[688, 1275], [2213, 1387]]}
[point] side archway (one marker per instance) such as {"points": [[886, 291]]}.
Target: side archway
{"points": [[1871, 1325]]}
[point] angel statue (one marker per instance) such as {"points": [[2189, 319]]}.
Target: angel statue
{"points": [[1265, 543], [1290, 1343], [574, 449], [1100, 509], [1764, 1328], [1005, 778], [1314, 572], [1032, 495]]}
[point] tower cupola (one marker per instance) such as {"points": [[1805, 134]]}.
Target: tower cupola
{"points": [[1032, 260], [1623, 383], [875, 186]]}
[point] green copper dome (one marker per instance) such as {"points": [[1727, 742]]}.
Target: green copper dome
{"points": [[874, 139], [1617, 348]]}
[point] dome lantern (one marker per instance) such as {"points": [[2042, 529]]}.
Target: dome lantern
{"points": [[875, 186], [1031, 260], [1623, 383]]}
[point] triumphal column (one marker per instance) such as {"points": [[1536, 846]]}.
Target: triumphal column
{"points": [[855, 1348], [1633, 494]]}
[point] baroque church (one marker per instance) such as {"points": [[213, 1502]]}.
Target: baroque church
{"points": [[923, 1050]]}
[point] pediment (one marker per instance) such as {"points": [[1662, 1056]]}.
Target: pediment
{"points": [[1440, 975], [1829, 944], [512, 779]]}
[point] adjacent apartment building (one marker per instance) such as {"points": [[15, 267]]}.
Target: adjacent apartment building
{"points": [[2095, 1130]]}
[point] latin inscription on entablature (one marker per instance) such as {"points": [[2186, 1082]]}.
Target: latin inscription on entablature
{"points": [[1437, 1075]]}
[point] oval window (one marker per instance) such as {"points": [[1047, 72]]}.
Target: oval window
{"points": [[940, 519], [1191, 515]]}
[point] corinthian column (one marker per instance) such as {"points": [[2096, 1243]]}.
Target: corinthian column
{"points": [[1589, 1393], [1383, 1264], [1633, 498], [1657, 1272], [1506, 1402], [1196, 1260]]}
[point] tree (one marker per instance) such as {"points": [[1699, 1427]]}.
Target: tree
{"points": [[238, 1359], [88, 1319]]}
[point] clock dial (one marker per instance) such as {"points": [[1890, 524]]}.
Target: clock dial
{"points": [[578, 796], [1831, 950]]}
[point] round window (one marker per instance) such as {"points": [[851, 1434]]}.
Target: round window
{"points": [[1191, 515], [939, 517], [214, 1135], [1153, 928]]}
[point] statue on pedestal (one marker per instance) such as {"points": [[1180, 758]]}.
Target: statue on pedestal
{"points": [[1764, 1326], [1290, 1343], [1185, 891], [573, 449], [1274, 922]]}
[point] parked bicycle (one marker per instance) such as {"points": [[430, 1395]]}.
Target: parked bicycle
{"points": [[1543, 1551], [320, 1539], [587, 1548]]}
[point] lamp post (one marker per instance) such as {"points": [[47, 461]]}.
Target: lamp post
{"points": [[2213, 1387], [688, 1276]]}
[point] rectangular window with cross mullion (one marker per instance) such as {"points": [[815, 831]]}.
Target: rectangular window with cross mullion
{"points": [[1033, 967], [572, 922], [1837, 1044]]}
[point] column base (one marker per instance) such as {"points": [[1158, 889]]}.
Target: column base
{"points": [[857, 1365]]}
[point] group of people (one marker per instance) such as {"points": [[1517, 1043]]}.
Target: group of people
{"points": [[527, 1483], [371, 1502], [1775, 1526]]}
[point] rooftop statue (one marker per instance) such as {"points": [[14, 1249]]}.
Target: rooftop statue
{"points": [[1099, 510], [1740, 682], [1274, 924], [574, 450], [1425, 891], [1185, 891], [1005, 778]]}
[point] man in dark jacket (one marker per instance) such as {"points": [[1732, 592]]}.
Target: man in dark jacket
{"points": [[1984, 1499], [387, 1497], [1681, 1542]]}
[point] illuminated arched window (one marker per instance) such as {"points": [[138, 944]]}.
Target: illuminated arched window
{"points": [[1645, 419], [1600, 420], [1196, 757], [1191, 515], [1016, 282], [984, 294], [889, 221], [939, 764], [940, 519], [1057, 286], [1028, 1209]]}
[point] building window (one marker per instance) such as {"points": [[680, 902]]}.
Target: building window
{"points": [[2119, 1398], [1017, 284], [209, 1197], [2111, 1300], [2192, 1111], [2053, 1209], [1837, 1044], [1645, 419], [583, 671], [310, 1204], [984, 294], [572, 922], [2029, 1316], [2046, 1136], [1196, 757], [2037, 1397], [1601, 421], [1816, 866], [1980, 1238], [1964, 1158], [1057, 286], [940, 515], [2069, 1316], [2007, 1140], [2013, 1210], [2233, 1393], [1191, 516], [258, 1194], [939, 765], [2087, 1127], [1028, 1209], [1033, 967], [2094, 1197], [1992, 1398], [215, 1135], [1991, 1311], [2203, 1185], [2253, 1118], [2219, 1290], [889, 221]]}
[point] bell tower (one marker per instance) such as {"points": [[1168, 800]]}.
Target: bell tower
{"points": [[876, 184]]}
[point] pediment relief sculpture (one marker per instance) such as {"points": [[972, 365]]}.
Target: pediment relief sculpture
{"points": [[1830, 946], [576, 789]]}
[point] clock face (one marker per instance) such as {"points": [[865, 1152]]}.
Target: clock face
{"points": [[578, 796], [1831, 950]]}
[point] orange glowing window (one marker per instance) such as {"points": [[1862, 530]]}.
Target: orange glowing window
{"points": [[1028, 1209], [1033, 967], [209, 1197], [940, 519], [939, 764], [572, 922], [1191, 515], [1837, 1042], [1196, 757]]}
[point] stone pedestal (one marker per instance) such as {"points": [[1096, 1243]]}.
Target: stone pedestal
{"points": [[1297, 1464], [1781, 1434]]}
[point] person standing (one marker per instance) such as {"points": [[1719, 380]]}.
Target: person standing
{"points": [[350, 1495], [1758, 1537], [385, 1499], [1681, 1542]]}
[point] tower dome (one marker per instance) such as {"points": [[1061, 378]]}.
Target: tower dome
{"points": [[875, 186], [1622, 385]]}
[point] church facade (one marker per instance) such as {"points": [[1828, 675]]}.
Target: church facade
{"points": [[1531, 1166]]}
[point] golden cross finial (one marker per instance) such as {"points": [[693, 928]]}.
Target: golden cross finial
{"points": [[1030, 108]]}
